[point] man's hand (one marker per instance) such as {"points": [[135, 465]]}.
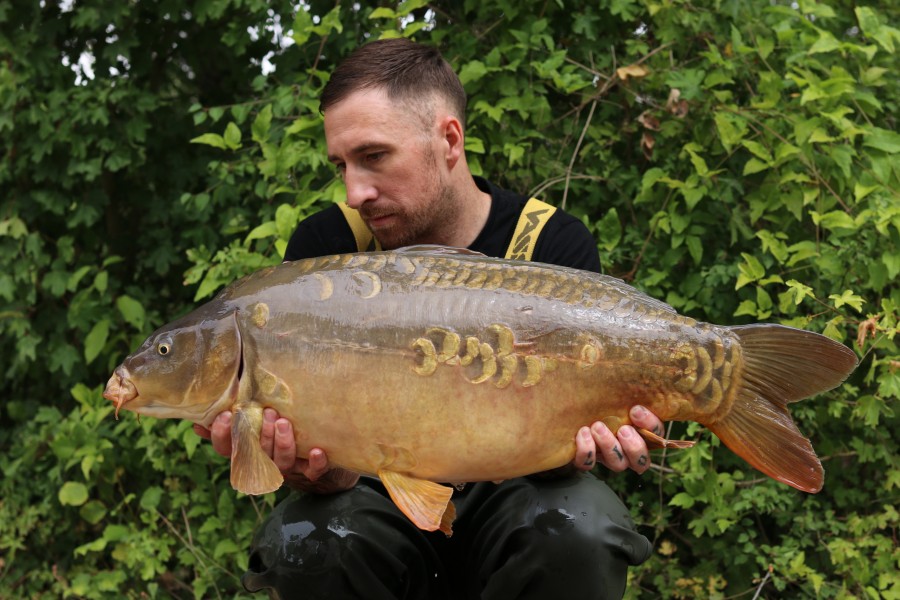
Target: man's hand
{"points": [[624, 450], [312, 474]]}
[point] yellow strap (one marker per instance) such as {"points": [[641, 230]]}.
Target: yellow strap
{"points": [[532, 220], [365, 241]]}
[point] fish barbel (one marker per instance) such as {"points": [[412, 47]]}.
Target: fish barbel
{"points": [[429, 364]]}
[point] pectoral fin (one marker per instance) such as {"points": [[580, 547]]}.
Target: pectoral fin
{"points": [[252, 471], [654, 441], [427, 504]]}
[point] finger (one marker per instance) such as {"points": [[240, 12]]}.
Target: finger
{"points": [[608, 451], [644, 419], [220, 434], [202, 431], [585, 450], [267, 431], [285, 447], [635, 448], [317, 464]]}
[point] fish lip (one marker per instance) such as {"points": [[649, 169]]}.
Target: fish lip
{"points": [[120, 389]]}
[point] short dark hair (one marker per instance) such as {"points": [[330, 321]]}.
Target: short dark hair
{"points": [[406, 70]]}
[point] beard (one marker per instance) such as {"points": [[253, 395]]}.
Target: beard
{"points": [[431, 220]]}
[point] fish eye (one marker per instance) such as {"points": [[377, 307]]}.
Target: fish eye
{"points": [[164, 348]]}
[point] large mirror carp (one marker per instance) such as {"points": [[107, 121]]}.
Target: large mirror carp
{"points": [[430, 365]]}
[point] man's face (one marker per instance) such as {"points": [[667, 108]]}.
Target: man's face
{"points": [[389, 160]]}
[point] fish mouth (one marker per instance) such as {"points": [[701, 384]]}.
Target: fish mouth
{"points": [[120, 389]]}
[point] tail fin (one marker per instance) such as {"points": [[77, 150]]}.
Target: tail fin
{"points": [[781, 365]]}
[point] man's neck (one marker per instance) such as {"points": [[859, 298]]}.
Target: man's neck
{"points": [[475, 207]]}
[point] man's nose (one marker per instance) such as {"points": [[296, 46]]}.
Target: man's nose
{"points": [[360, 188]]}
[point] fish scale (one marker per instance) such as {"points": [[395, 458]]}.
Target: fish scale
{"points": [[427, 365]]}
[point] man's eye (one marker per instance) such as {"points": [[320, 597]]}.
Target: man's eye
{"points": [[374, 156]]}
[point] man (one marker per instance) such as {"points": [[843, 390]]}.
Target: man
{"points": [[394, 121]]}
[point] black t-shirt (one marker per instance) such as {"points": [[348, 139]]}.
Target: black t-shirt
{"points": [[564, 241]]}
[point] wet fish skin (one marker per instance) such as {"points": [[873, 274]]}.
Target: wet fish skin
{"points": [[435, 365]]}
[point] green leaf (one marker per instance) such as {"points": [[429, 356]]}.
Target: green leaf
{"points": [[697, 160], [232, 136], [151, 497], [73, 493], [132, 311], [826, 43], [94, 510], [210, 139], [261, 124], [95, 340], [848, 298], [472, 71], [264, 230], [382, 12], [754, 165], [695, 248], [225, 547], [835, 219], [746, 308], [731, 128], [758, 150], [682, 499], [302, 27], [609, 230], [799, 291], [883, 139], [750, 270]]}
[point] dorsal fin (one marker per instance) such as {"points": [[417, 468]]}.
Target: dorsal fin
{"points": [[438, 249]]}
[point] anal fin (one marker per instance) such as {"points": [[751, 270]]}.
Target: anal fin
{"points": [[427, 504], [252, 471]]}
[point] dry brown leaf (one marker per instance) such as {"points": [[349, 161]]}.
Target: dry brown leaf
{"points": [[869, 326], [676, 105], [648, 121], [632, 71], [647, 143]]}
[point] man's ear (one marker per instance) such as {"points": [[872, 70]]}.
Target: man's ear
{"points": [[454, 138]]}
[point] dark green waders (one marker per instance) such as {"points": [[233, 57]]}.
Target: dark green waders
{"points": [[525, 538]]}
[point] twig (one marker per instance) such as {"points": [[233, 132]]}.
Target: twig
{"points": [[197, 553], [551, 182], [629, 276], [575, 153], [763, 582], [319, 51]]}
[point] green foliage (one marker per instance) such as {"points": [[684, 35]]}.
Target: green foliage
{"points": [[737, 159]]}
